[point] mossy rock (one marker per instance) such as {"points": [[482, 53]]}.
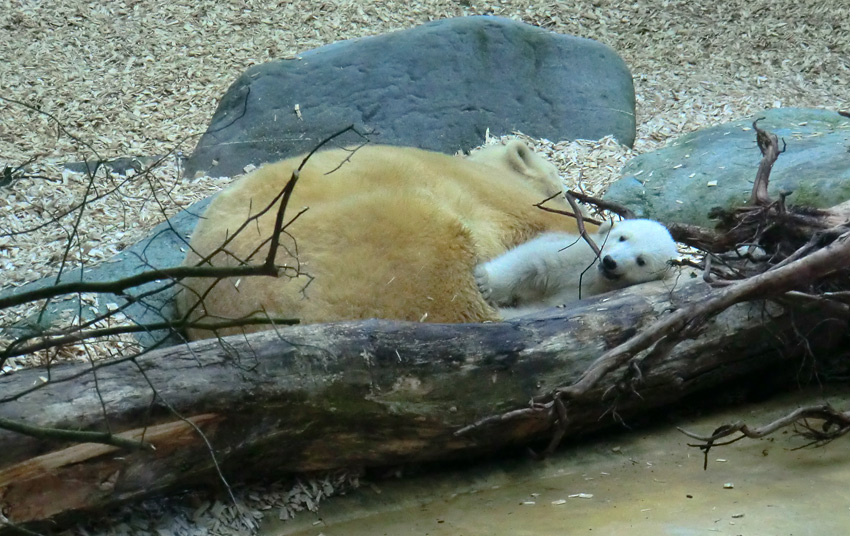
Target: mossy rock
{"points": [[716, 167]]}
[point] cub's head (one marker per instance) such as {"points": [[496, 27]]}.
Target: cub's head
{"points": [[634, 251]]}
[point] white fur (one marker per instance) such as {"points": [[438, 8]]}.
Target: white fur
{"points": [[557, 268]]}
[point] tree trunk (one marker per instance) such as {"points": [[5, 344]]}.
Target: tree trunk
{"points": [[368, 393]]}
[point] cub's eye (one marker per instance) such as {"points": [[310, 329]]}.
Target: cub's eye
{"points": [[641, 261], [622, 238]]}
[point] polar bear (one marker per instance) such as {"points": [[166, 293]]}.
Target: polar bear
{"points": [[389, 232], [557, 268]]}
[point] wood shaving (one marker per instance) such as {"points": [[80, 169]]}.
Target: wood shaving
{"points": [[134, 78], [140, 78], [187, 516]]}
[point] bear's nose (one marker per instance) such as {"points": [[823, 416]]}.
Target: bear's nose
{"points": [[609, 263]]}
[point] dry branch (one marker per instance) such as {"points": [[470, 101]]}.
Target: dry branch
{"points": [[833, 424], [602, 204], [681, 324]]}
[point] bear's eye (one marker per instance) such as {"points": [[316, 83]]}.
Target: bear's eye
{"points": [[640, 261], [622, 238]]}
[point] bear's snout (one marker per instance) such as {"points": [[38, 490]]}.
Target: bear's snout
{"points": [[608, 268]]}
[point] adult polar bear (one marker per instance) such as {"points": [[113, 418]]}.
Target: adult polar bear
{"points": [[390, 232]]}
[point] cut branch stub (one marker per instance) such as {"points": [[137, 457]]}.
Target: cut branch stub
{"points": [[768, 144]]}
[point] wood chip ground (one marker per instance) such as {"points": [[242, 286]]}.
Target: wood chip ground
{"points": [[142, 78]]}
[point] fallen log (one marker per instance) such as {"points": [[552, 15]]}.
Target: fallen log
{"points": [[373, 393]]}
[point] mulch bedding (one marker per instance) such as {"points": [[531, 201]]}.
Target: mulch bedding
{"points": [[86, 80]]}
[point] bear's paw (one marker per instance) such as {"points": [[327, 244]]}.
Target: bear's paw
{"points": [[482, 279]]}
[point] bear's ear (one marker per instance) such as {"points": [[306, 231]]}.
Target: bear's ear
{"points": [[516, 157], [519, 158]]}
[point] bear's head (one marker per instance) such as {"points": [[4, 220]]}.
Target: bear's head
{"points": [[517, 159], [634, 251]]}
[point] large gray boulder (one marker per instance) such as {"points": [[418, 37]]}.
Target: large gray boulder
{"points": [[715, 167], [438, 86]]}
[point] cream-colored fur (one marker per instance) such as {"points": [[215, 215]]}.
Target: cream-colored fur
{"points": [[390, 232]]}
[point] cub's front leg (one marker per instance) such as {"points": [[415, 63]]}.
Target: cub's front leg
{"points": [[496, 284], [522, 275]]}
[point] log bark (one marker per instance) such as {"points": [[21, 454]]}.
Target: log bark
{"points": [[372, 393]]}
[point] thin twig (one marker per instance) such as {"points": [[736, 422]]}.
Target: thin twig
{"points": [[541, 206], [61, 434], [290, 186], [118, 286]]}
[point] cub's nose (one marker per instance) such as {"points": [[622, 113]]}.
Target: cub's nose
{"points": [[609, 263]]}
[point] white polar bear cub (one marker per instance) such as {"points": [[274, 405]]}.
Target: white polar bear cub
{"points": [[557, 268]]}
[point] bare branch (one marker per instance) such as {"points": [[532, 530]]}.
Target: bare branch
{"points": [[580, 224], [60, 434], [118, 286], [544, 208], [621, 210], [290, 186], [834, 425]]}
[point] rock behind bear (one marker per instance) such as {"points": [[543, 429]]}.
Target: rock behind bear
{"points": [[439, 86]]}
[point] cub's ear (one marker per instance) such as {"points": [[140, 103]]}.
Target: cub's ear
{"points": [[605, 228]]}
